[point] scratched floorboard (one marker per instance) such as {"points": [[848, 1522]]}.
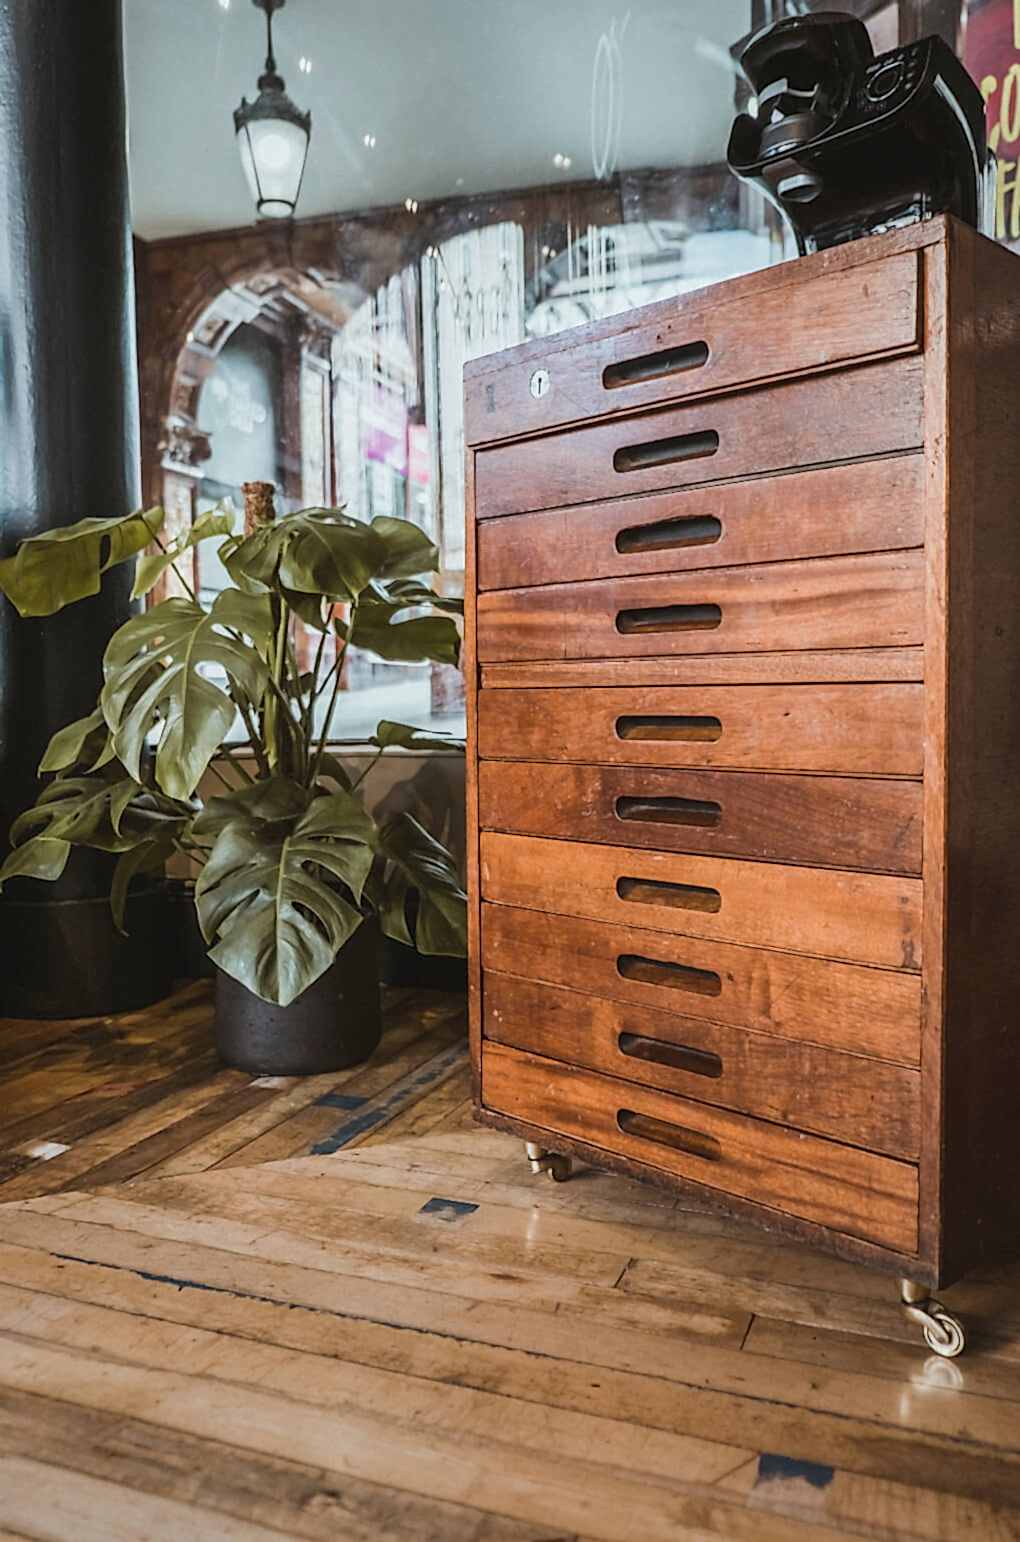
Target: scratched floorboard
{"points": [[335, 1308], [117, 1099], [412, 1337]]}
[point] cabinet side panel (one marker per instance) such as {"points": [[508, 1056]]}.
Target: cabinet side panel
{"points": [[936, 501], [981, 1175], [470, 666]]}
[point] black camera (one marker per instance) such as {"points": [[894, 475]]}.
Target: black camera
{"points": [[845, 143]]}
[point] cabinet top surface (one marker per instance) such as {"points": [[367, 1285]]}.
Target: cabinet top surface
{"points": [[546, 383], [835, 259]]}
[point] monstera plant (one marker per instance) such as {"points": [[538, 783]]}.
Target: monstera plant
{"points": [[291, 861]]}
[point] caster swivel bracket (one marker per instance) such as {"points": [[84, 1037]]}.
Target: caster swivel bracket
{"points": [[943, 1333], [557, 1167]]}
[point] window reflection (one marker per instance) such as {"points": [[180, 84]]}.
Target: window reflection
{"points": [[565, 163]]}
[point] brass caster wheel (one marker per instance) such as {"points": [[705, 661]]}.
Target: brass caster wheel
{"points": [[943, 1333], [551, 1163]]}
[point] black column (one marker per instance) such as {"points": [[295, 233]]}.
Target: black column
{"points": [[68, 443]]}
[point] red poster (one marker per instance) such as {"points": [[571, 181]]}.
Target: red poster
{"points": [[992, 55]]}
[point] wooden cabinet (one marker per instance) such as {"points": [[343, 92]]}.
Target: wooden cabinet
{"points": [[743, 646]]}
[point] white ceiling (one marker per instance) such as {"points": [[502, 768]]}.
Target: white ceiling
{"points": [[462, 96]]}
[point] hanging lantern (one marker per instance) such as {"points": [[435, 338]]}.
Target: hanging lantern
{"points": [[272, 136]]}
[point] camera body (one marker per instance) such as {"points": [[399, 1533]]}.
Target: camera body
{"points": [[846, 143]]}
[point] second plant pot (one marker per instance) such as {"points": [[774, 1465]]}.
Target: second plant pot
{"points": [[336, 1023]]}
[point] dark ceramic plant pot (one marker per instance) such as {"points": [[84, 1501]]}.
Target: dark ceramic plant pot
{"points": [[184, 935], [336, 1023], [65, 957]]}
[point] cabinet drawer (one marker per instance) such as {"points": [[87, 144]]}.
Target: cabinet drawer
{"points": [[848, 1097], [828, 821], [838, 602], [835, 1185], [848, 729], [874, 410], [864, 1010], [831, 511], [860, 917], [697, 344]]}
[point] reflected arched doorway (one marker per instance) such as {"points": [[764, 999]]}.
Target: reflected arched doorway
{"points": [[306, 382]]}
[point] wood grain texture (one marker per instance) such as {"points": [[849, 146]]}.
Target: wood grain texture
{"points": [[858, 917], [853, 1191], [469, 664], [847, 1097], [603, 530], [936, 832], [297, 1499], [859, 312], [836, 602], [980, 751], [765, 286], [843, 822], [863, 666], [144, 1092], [873, 410], [844, 729], [833, 511], [844, 1006], [364, 1417]]}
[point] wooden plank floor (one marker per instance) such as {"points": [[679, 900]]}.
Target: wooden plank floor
{"points": [[106, 1100], [408, 1336]]}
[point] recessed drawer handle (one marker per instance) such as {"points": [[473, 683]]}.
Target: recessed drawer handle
{"points": [[666, 534], [668, 618], [678, 1057], [681, 896], [670, 811], [655, 366], [676, 977], [690, 729], [692, 1142], [664, 452]]}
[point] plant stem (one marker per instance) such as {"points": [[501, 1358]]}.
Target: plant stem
{"points": [[193, 853], [274, 743], [308, 706], [253, 737], [366, 770], [242, 770], [214, 768], [174, 568], [328, 719]]}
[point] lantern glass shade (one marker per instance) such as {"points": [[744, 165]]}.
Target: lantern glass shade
{"points": [[273, 148]]}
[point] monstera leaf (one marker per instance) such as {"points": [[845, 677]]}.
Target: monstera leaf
{"points": [[266, 802], [156, 669], [418, 640], [411, 591], [52, 570], [327, 554], [85, 743], [82, 810], [389, 629], [402, 736], [109, 812], [148, 856], [316, 552], [384, 623], [415, 865], [281, 893], [217, 521], [406, 548]]}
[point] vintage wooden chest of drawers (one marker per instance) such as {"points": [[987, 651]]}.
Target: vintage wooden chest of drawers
{"points": [[743, 661]]}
